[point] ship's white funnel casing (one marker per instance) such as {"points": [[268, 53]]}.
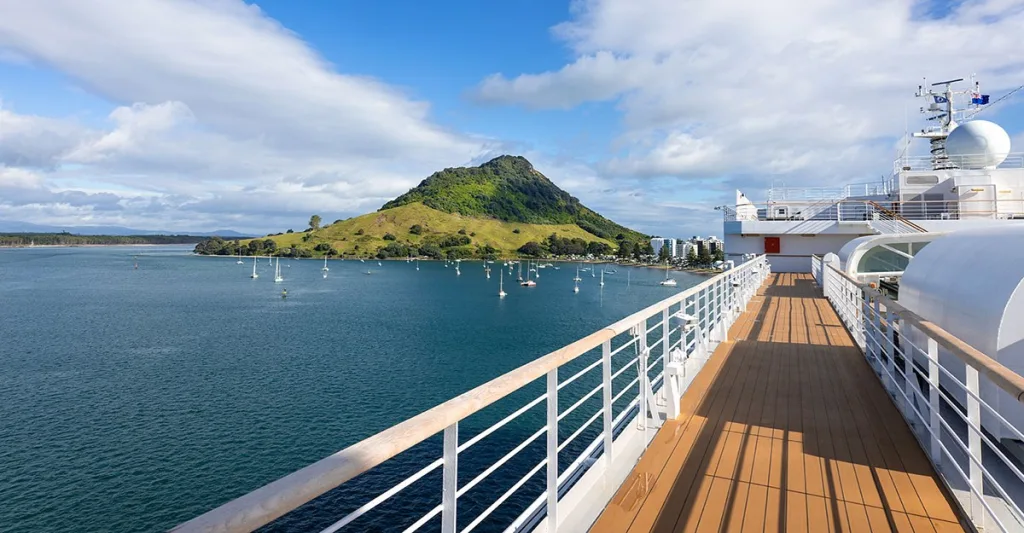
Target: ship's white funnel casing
{"points": [[978, 144], [971, 283]]}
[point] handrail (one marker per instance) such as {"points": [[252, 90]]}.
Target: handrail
{"points": [[275, 499], [896, 216], [950, 412], [1006, 379]]}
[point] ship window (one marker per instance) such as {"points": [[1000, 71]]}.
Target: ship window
{"points": [[922, 180]]}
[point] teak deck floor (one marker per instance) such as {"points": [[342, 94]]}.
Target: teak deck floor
{"points": [[785, 429]]}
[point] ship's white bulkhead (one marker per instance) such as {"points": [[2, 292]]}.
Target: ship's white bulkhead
{"points": [[971, 283]]}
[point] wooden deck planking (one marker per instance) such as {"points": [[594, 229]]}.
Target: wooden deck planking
{"points": [[785, 429]]}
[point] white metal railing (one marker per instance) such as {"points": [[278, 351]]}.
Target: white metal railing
{"points": [[888, 216], [668, 341], [816, 194], [927, 162], [903, 349]]}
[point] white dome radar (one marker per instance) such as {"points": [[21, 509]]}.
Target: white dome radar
{"points": [[978, 144]]}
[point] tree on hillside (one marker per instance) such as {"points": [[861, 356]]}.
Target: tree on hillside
{"points": [[663, 254], [533, 249], [416, 229], [314, 222], [625, 249]]}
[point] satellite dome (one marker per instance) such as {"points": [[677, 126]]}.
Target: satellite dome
{"points": [[978, 144]]}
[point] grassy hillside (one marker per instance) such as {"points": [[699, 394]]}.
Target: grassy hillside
{"points": [[509, 189], [363, 235]]}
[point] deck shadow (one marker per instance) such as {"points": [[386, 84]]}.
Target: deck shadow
{"points": [[788, 429]]}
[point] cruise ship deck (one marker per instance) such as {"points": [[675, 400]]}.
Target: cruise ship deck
{"points": [[786, 429]]}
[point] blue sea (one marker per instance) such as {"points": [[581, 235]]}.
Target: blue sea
{"points": [[133, 399]]}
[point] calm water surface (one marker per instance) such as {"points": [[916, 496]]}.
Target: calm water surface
{"points": [[132, 400]]}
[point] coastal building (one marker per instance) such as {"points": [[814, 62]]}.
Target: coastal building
{"points": [[657, 243]]}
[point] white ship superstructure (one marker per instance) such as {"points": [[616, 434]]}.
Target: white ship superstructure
{"points": [[969, 179]]}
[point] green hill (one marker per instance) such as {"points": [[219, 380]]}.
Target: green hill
{"points": [[491, 210], [508, 188]]}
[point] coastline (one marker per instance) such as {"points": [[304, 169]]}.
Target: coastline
{"points": [[696, 271], [12, 246]]}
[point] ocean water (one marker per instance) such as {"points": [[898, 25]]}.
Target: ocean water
{"points": [[135, 399]]}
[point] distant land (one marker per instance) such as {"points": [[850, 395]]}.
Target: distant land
{"points": [[501, 208], [14, 226], [18, 240]]}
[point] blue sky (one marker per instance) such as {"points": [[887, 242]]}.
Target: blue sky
{"points": [[203, 114]]}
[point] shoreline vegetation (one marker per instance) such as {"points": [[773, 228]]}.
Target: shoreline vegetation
{"points": [[65, 239]]}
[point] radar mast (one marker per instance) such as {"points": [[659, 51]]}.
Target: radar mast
{"points": [[942, 99]]}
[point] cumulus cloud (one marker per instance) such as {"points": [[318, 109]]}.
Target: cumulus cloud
{"points": [[214, 106], [812, 90]]}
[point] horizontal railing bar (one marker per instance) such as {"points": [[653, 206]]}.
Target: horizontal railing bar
{"points": [[536, 401], [576, 376], [576, 405], [625, 389], [581, 429], [497, 464], [347, 519], [497, 503], [963, 447], [625, 367], [624, 346], [271, 501], [422, 521], [1002, 377], [963, 386]]}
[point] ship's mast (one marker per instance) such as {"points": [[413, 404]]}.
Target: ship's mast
{"points": [[944, 102]]}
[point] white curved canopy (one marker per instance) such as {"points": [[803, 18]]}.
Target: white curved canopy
{"points": [[971, 283], [873, 256]]}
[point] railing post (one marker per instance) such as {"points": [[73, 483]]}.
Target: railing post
{"points": [[606, 379], [552, 470], [664, 337], [642, 371], [909, 374], [878, 335], [450, 478], [890, 354], [933, 399], [865, 307], [974, 443]]}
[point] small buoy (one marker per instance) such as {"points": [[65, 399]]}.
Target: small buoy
{"points": [[284, 293]]}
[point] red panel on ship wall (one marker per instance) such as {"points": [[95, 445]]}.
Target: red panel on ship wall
{"points": [[772, 245]]}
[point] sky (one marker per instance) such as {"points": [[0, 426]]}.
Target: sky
{"points": [[222, 114]]}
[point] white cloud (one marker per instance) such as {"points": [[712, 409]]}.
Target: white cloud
{"points": [[216, 105], [813, 90]]}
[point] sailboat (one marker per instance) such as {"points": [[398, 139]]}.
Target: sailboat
{"points": [[577, 278], [417, 264], [277, 273], [501, 285], [521, 272], [239, 262], [325, 269], [254, 274], [576, 286], [602, 277], [668, 282], [529, 282]]}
